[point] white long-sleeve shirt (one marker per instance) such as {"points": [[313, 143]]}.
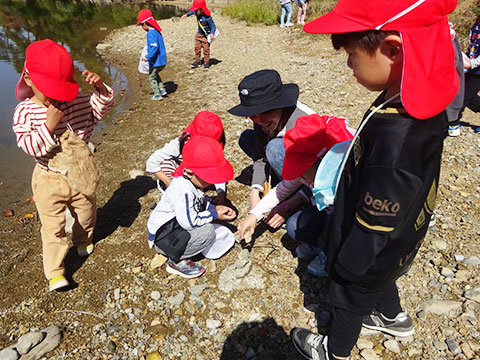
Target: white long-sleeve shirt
{"points": [[82, 114], [185, 202], [170, 150], [276, 196]]}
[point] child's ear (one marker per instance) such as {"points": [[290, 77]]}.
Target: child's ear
{"points": [[26, 78], [392, 47]]}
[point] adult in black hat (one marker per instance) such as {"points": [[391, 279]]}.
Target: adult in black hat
{"points": [[274, 108]]}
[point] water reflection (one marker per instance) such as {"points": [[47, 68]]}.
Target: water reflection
{"points": [[78, 26]]}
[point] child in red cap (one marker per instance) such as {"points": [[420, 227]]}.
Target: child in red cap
{"points": [[388, 187], [163, 162], [156, 54], [205, 34], [51, 104], [180, 226], [305, 145]]}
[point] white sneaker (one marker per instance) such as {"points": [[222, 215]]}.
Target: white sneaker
{"points": [[454, 130], [282, 26], [289, 24]]}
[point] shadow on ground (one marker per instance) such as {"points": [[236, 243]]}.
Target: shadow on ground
{"points": [[259, 340]]}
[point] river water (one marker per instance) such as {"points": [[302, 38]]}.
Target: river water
{"points": [[79, 26]]}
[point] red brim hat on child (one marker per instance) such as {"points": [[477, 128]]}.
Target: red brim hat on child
{"points": [[429, 79], [50, 68], [310, 139], [200, 4], [146, 15], [205, 123], [204, 157]]}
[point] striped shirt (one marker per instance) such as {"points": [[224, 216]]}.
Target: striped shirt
{"points": [[82, 114]]}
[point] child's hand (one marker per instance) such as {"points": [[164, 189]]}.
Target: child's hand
{"points": [[275, 220], [247, 224], [184, 16], [225, 213], [54, 116], [144, 59], [211, 37], [95, 80]]}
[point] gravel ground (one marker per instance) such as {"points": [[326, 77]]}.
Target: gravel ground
{"points": [[126, 306]]}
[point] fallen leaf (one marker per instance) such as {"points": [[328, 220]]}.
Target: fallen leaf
{"points": [[29, 216], [7, 213]]}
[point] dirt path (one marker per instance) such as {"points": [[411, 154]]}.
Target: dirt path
{"points": [[143, 310]]}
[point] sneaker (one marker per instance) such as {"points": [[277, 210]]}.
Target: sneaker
{"points": [[282, 26], [317, 265], [477, 130], [163, 92], [196, 64], [307, 252], [401, 325], [85, 250], [454, 130], [58, 282], [206, 66], [157, 97], [185, 268], [288, 24], [310, 345]]}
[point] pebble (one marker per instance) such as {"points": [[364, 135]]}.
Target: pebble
{"points": [[364, 344], [392, 345], [453, 346], [446, 272], [213, 324], [9, 354], [28, 341], [157, 261], [177, 299], [369, 354], [440, 345], [155, 295], [135, 173], [474, 260], [441, 307], [440, 244], [473, 294]]}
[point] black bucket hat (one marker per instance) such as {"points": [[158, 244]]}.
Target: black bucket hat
{"points": [[263, 91]]}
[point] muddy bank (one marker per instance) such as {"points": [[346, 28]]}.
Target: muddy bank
{"points": [[139, 309]]}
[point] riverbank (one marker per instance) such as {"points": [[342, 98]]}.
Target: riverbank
{"points": [[132, 308]]}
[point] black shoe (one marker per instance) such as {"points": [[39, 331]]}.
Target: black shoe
{"points": [[196, 64], [310, 345], [206, 66], [401, 325]]}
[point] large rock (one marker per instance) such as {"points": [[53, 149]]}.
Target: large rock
{"points": [[9, 354], [28, 341], [53, 336], [441, 307]]}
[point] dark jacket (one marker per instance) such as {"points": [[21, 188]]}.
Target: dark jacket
{"points": [[385, 198], [206, 25]]}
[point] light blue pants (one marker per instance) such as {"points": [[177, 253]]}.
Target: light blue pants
{"points": [[286, 8]]}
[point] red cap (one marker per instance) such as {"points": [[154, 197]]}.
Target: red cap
{"points": [[200, 4], [429, 79], [51, 70], [146, 15], [204, 156], [310, 139], [205, 123]]}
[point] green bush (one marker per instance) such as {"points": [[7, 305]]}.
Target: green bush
{"points": [[254, 11], [268, 11]]}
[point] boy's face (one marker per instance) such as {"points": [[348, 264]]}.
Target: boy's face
{"points": [[38, 97], [145, 26], [308, 176], [380, 70], [199, 12]]}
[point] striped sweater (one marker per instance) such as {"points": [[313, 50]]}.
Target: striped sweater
{"points": [[82, 114]]}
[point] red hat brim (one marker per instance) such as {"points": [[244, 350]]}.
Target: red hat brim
{"points": [[217, 175], [429, 79], [53, 89]]}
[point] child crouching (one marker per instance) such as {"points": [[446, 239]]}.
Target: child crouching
{"points": [[180, 226]]}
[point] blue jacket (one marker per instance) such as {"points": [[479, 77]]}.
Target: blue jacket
{"points": [[206, 22], [474, 47], [157, 55]]}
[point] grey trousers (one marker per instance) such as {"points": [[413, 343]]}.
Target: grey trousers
{"points": [[200, 238]]}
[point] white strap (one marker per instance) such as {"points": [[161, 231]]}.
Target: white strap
{"points": [[399, 15]]}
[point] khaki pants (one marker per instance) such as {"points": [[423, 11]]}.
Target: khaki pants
{"points": [[52, 195]]}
